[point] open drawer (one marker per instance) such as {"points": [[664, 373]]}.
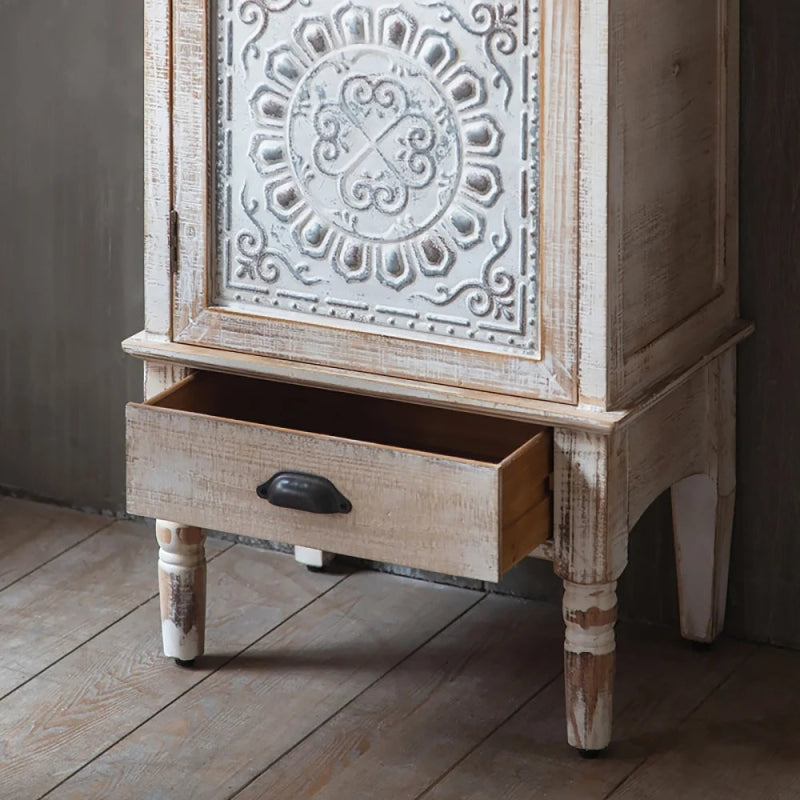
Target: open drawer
{"points": [[442, 490]]}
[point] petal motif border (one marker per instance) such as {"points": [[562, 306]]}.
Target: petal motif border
{"points": [[496, 310]]}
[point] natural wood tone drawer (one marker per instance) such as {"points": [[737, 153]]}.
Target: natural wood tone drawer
{"points": [[442, 490]]}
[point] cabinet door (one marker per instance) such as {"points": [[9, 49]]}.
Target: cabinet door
{"points": [[374, 187]]}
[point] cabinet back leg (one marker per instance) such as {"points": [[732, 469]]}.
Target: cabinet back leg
{"points": [[702, 513], [703, 523], [182, 589]]}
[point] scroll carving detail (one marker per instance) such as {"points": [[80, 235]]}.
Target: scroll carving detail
{"points": [[384, 165]]}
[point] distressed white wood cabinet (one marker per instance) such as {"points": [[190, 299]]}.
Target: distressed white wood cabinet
{"points": [[437, 282]]}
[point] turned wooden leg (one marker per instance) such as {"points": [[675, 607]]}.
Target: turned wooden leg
{"points": [[591, 548], [590, 613], [312, 558], [702, 515], [182, 587]]}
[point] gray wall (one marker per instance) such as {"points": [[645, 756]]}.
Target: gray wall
{"points": [[70, 243], [70, 289]]}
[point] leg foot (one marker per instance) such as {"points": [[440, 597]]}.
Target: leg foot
{"points": [[315, 560], [182, 589], [590, 755], [181, 663], [590, 613]]}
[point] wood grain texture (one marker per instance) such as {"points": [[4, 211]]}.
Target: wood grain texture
{"points": [[590, 506], [158, 188], [204, 470], [275, 693], [70, 713], [659, 169], [559, 217], [182, 589], [669, 443], [31, 534], [666, 138], [112, 572], [673, 172], [159, 376], [590, 613], [428, 712], [741, 742], [659, 683], [440, 395], [715, 724], [593, 293]]}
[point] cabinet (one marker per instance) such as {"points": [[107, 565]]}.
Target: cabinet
{"points": [[440, 283]]}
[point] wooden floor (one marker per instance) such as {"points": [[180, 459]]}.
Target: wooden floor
{"points": [[359, 686]]}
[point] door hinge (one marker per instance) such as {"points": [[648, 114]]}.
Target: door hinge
{"points": [[173, 242]]}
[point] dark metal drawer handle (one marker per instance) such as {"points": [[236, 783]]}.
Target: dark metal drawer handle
{"points": [[305, 493]]}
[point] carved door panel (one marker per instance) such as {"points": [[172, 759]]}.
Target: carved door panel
{"points": [[374, 195]]}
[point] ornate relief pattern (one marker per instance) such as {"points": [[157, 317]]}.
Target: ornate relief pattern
{"points": [[255, 13], [496, 24], [381, 157], [256, 260]]}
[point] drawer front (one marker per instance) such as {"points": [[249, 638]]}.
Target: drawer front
{"points": [[421, 509]]}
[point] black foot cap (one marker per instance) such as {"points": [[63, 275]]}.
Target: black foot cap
{"points": [[591, 754], [314, 569], [181, 663], [702, 647]]}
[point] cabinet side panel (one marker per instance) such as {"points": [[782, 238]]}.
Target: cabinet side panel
{"points": [[157, 161], [669, 154]]}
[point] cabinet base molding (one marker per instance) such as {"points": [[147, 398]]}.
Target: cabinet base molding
{"points": [[584, 489]]}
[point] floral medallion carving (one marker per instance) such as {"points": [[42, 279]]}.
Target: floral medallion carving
{"points": [[378, 166]]}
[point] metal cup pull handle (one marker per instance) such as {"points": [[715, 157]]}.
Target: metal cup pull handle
{"points": [[304, 492]]}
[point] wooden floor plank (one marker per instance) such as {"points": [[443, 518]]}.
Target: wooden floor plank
{"points": [[76, 595], [744, 741], [221, 735], [33, 533], [660, 680], [429, 712], [72, 712]]}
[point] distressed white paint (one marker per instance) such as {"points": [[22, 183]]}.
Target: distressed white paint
{"points": [[702, 513], [597, 640], [180, 645], [380, 168], [594, 349], [182, 589], [590, 612], [412, 505], [312, 557]]}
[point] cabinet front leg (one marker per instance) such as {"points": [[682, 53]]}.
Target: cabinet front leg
{"points": [[590, 613], [182, 589]]}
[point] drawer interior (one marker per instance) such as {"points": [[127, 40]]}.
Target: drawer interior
{"points": [[391, 423]]}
